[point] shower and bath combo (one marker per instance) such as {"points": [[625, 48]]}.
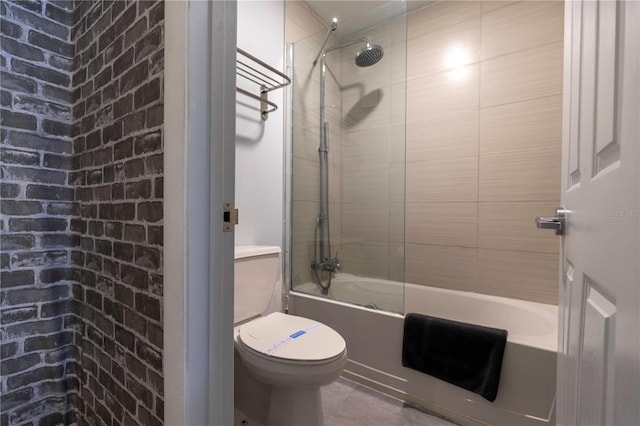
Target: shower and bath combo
{"points": [[369, 55]]}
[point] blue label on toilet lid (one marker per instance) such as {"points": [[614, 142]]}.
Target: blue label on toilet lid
{"points": [[290, 338]]}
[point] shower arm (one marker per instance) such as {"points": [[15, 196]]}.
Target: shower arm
{"points": [[366, 40]]}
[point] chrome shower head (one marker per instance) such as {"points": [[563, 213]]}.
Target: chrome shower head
{"points": [[369, 55]]}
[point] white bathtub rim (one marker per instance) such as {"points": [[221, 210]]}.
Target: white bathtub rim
{"points": [[347, 304], [414, 301], [547, 340]]}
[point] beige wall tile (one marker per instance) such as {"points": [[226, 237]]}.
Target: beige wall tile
{"points": [[335, 174], [448, 179], [366, 221], [294, 31], [447, 48], [305, 142], [303, 221], [335, 185], [517, 274], [366, 148], [510, 226], [335, 222], [366, 166], [398, 29], [520, 176], [397, 206], [447, 224], [301, 255], [397, 144], [491, 5], [368, 109], [396, 221], [301, 22], [305, 186], [365, 258], [398, 102], [523, 75], [530, 125], [398, 58], [440, 266], [366, 185], [440, 15], [520, 26], [396, 261], [397, 182], [443, 136], [307, 102], [444, 93]]}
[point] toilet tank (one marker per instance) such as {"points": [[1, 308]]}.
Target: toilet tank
{"points": [[256, 277]]}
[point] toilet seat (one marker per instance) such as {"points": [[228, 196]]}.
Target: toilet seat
{"points": [[291, 339]]}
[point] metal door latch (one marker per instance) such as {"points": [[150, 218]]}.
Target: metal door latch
{"points": [[229, 217], [557, 222]]}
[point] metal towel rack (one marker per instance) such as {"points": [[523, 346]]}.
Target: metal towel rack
{"points": [[268, 80]]}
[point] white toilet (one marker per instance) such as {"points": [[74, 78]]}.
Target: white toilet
{"points": [[290, 357]]}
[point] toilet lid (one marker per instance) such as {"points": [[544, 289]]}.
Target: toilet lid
{"points": [[291, 337]]}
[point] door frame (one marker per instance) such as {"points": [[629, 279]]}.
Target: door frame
{"points": [[199, 168]]}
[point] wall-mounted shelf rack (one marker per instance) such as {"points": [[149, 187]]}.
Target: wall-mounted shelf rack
{"points": [[264, 75]]}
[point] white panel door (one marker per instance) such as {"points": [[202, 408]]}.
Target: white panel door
{"points": [[599, 348]]}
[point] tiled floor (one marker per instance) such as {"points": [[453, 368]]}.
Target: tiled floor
{"points": [[347, 403]]}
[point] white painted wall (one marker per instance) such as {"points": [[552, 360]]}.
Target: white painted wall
{"points": [[260, 144]]}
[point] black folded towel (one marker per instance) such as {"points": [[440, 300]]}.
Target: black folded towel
{"points": [[466, 355]]}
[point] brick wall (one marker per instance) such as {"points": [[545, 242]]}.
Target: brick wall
{"points": [[81, 259], [40, 368], [118, 186]]}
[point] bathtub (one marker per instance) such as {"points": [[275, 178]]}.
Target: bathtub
{"points": [[527, 391]]}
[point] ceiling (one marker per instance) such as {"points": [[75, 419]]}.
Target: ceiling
{"points": [[357, 15]]}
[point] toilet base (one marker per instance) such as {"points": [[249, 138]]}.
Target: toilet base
{"points": [[251, 396], [241, 419], [295, 407]]}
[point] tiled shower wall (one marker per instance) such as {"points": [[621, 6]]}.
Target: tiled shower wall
{"points": [[484, 102], [82, 212], [482, 154], [373, 155]]}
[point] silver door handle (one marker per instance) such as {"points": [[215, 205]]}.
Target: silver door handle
{"points": [[557, 222]]}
